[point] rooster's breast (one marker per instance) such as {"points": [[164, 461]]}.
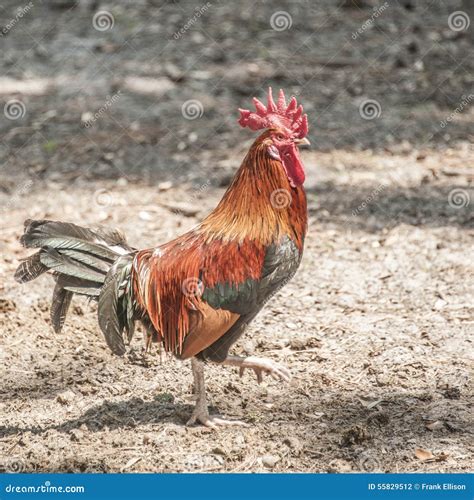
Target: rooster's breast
{"points": [[281, 262]]}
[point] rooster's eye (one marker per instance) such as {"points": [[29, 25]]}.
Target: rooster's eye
{"points": [[280, 137]]}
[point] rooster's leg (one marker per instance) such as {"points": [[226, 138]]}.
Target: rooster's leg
{"points": [[201, 412], [259, 366]]}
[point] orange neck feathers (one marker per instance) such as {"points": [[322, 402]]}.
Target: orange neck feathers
{"points": [[260, 203]]}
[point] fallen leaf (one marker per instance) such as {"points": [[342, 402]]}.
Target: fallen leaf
{"points": [[131, 463], [423, 455], [434, 425], [185, 209], [370, 403], [427, 456], [374, 403]]}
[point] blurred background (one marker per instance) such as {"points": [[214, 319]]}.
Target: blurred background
{"points": [[125, 113], [150, 89]]}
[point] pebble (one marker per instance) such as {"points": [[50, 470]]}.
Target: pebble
{"points": [[66, 397], [298, 344], [219, 451], [146, 216], [293, 443], [339, 465], [164, 186], [270, 460], [239, 439], [439, 304], [76, 435]]}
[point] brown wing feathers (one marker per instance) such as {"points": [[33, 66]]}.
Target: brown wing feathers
{"points": [[169, 283]]}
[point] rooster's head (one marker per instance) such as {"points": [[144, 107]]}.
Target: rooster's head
{"points": [[288, 128]]}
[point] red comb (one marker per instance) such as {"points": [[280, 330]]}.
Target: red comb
{"points": [[277, 115]]}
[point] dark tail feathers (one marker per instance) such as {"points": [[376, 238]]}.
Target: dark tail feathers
{"points": [[92, 262]]}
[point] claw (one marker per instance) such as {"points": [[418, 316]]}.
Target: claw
{"points": [[205, 419], [261, 366]]}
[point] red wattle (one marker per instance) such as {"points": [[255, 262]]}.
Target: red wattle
{"points": [[292, 162]]}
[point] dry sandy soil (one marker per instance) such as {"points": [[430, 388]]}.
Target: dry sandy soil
{"points": [[376, 327]]}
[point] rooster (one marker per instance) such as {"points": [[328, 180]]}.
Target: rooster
{"points": [[197, 293]]}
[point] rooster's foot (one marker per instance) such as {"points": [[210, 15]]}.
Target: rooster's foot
{"points": [[259, 366], [201, 413], [203, 417]]}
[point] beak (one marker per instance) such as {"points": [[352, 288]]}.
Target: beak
{"points": [[302, 142]]}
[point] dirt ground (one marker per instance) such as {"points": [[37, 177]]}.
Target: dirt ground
{"points": [[377, 325]]}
